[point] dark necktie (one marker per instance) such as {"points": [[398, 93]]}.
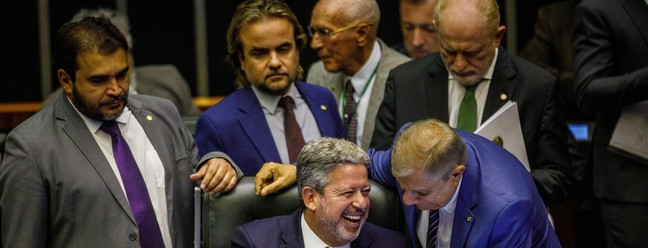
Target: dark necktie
{"points": [[350, 118], [467, 119], [433, 227], [294, 138], [136, 192]]}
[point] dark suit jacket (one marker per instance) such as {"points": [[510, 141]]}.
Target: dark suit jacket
{"points": [[419, 90], [58, 190], [285, 231], [497, 205], [611, 68], [237, 126]]}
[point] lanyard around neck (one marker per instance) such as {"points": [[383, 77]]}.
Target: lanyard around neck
{"points": [[366, 85]]}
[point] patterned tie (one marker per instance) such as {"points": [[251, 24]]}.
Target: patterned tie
{"points": [[350, 117], [467, 119], [433, 227], [138, 197], [294, 138]]}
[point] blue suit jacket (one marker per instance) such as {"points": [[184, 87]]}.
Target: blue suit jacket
{"points": [[498, 204], [285, 231], [237, 126]]}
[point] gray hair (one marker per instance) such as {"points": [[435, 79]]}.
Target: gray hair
{"points": [[361, 11], [319, 157]]}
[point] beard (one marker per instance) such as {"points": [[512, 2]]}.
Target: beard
{"points": [[94, 111], [333, 225]]}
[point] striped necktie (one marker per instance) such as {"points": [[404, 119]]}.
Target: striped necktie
{"points": [[350, 117], [433, 228]]}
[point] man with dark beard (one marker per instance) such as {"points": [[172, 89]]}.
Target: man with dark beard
{"points": [[333, 191], [98, 168]]}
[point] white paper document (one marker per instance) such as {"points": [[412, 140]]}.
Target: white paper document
{"points": [[504, 128], [631, 132]]}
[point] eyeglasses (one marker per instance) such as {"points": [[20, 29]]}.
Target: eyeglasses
{"points": [[326, 33]]}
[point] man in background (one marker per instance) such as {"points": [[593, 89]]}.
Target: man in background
{"points": [[273, 114], [417, 26], [354, 63]]}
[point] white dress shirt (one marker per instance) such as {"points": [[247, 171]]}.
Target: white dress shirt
{"points": [[147, 158], [311, 239], [446, 220], [275, 118], [457, 91]]}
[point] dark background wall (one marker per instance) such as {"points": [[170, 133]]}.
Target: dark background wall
{"points": [[164, 33]]}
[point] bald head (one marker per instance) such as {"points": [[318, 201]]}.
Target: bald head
{"points": [[349, 12]]}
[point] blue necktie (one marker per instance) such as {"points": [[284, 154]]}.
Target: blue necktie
{"points": [[433, 227], [138, 197]]}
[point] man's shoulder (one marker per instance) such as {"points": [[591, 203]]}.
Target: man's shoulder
{"points": [[268, 226], [392, 58]]}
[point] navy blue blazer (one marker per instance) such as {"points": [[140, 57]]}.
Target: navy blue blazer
{"points": [[285, 231], [498, 204], [237, 126]]}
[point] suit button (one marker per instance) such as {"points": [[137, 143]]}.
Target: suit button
{"points": [[132, 236]]}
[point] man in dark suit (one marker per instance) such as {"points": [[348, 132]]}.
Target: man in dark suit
{"points": [[354, 62], [611, 72], [250, 125], [417, 26], [333, 192], [470, 58], [480, 194], [100, 168]]}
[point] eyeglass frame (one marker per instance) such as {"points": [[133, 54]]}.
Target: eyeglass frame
{"points": [[325, 35]]}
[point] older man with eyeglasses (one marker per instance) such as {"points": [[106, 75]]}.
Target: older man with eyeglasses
{"points": [[354, 63]]}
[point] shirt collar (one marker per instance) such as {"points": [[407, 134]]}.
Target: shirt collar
{"points": [[311, 239], [93, 125], [450, 207], [269, 102], [364, 74]]}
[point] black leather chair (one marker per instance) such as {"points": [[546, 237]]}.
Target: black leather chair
{"points": [[224, 212]]}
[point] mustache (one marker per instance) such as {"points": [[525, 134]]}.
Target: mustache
{"points": [[115, 99]]}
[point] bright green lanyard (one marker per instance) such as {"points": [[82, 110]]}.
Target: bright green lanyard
{"points": [[348, 120]]}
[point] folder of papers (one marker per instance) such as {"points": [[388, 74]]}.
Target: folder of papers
{"points": [[631, 132], [504, 128]]}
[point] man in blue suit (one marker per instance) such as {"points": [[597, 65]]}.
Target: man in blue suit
{"points": [[480, 194], [333, 191], [249, 127]]}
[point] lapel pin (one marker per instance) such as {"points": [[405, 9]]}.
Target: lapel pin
{"points": [[332, 87], [468, 218], [150, 118], [503, 96], [323, 107]]}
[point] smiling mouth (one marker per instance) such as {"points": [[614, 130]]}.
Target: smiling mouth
{"points": [[354, 218]]}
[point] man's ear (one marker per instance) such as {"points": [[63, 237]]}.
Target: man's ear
{"points": [[65, 80], [310, 197], [499, 36], [363, 35]]}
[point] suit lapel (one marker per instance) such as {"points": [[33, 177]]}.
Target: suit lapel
{"points": [[292, 235], [317, 107], [78, 132], [255, 126], [466, 201], [436, 91], [502, 87], [154, 129], [638, 12]]}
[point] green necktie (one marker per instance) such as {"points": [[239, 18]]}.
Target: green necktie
{"points": [[467, 119]]}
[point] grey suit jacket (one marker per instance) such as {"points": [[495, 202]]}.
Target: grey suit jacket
{"points": [[58, 190], [390, 58]]}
